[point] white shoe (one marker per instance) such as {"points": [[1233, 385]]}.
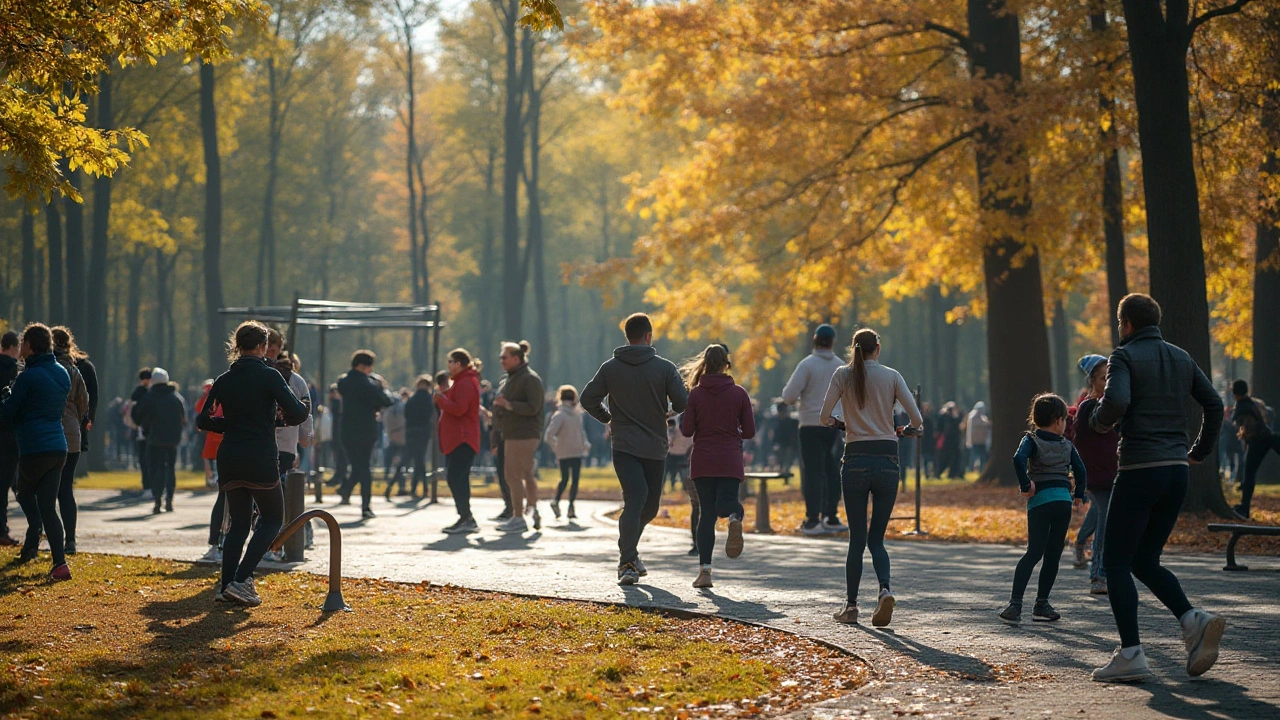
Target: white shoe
{"points": [[884, 609], [513, 525], [212, 555], [832, 525], [1202, 633], [242, 593], [1122, 669]]}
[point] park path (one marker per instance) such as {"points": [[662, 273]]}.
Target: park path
{"points": [[945, 655]]}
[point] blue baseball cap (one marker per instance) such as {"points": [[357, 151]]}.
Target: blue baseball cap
{"points": [[824, 332], [1089, 362]]}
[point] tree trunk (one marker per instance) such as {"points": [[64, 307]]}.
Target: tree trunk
{"points": [[133, 341], [96, 286], [159, 327], [602, 337], [542, 327], [512, 160], [1266, 272], [1158, 52], [53, 244], [30, 296], [75, 277], [1112, 191], [212, 221], [267, 234], [488, 284], [1061, 348], [1017, 345]]}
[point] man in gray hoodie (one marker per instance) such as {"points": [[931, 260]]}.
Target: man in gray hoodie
{"points": [[642, 390], [820, 446]]}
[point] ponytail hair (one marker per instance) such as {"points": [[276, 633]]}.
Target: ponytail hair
{"points": [[713, 360], [519, 349], [865, 342]]}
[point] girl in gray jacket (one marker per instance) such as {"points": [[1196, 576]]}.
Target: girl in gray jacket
{"points": [[568, 440]]}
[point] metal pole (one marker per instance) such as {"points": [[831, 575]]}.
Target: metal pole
{"points": [[333, 601], [324, 394], [293, 323], [919, 465]]}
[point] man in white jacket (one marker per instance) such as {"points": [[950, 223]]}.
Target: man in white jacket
{"points": [[820, 446]]}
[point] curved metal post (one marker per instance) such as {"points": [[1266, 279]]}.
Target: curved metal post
{"points": [[333, 601]]}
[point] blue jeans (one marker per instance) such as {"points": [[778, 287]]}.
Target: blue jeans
{"points": [[864, 477], [1098, 502]]}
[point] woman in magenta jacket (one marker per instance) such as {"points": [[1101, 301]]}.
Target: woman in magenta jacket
{"points": [[460, 435], [718, 418]]}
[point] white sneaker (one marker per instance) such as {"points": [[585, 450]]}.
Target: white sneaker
{"points": [[884, 608], [1202, 632], [1122, 669], [242, 593], [212, 555], [513, 525], [832, 525]]}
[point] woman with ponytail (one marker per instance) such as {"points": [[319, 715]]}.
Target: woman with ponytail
{"points": [[867, 391]]}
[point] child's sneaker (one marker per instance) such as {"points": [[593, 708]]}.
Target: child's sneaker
{"points": [[1012, 615], [1123, 669], [848, 615], [1044, 612]]}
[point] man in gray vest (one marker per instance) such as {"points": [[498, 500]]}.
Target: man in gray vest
{"points": [[819, 444]]}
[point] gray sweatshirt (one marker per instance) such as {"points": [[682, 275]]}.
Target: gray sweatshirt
{"points": [[641, 388], [809, 383], [874, 421]]}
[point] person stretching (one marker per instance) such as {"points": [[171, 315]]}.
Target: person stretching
{"points": [[718, 418], [567, 438], [866, 392], [1042, 462]]}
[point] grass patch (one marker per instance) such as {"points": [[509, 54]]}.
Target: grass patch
{"points": [[135, 637]]}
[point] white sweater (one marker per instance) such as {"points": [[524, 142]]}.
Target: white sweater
{"points": [[566, 434], [874, 421], [288, 438], [808, 384]]}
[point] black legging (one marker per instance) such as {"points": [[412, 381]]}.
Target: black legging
{"points": [[863, 478], [216, 517], [416, 444], [359, 452], [1047, 527], [8, 477], [240, 504], [67, 497], [570, 471], [457, 473], [719, 499], [500, 463], [163, 477], [41, 477], [1257, 452]]}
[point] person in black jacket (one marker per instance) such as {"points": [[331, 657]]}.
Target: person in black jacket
{"points": [[337, 453], [362, 398], [254, 398], [9, 345], [162, 414], [140, 442], [418, 412], [1250, 420]]}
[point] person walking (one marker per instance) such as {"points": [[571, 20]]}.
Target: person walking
{"points": [[74, 414], [1042, 462], [866, 392], [252, 395], [362, 397], [949, 459], [9, 345], [977, 437], [218, 518], [419, 410], [567, 437], [643, 389], [1098, 450], [393, 424], [459, 435], [161, 415], [517, 414], [1148, 381], [140, 440], [33, 407], [819, 471], [1250, 421], [719, 418]]}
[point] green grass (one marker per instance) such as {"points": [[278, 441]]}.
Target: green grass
{"points": [[142, 638]]}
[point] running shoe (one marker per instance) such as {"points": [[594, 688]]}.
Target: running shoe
{"points": [[156, 509], [514, 525], [537, 519], [220, 596], [69, 547], [63, 572], [168, 505], [848, 615], [627, 575], [367, 514], [242, 593], [704, 578], [641, 570], [733, 546], [503, 516], [1201, 632], [1098, 586], [884, 608], [555, 508], [1042, 611], [1124, 670], [832, 525], [572, 515], [463, 527], [212, 555], [693, 550], [1080, 560], [812, 527], [1012, 615], [7, 541]]}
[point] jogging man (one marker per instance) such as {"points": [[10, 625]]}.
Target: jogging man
{"points": [[819, 444], [1250, 421], [1148, 381], [642, 390]]}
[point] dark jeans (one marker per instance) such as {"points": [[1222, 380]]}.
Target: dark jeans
{"points": [[393, 456], [164, 479], [416, 442], [819, 472], [67, 497], [719, 499], [144, 466], [864, 477], [641, 481], [240, 504], [216, 517], [1144, 508], [340, 464], [570, 472], [1047, 527], [1257, 452], [38, 496], [8, 477], [695, 507], [359, 452], [457, 473]]}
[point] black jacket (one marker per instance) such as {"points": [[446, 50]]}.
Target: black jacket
{"points": [[419, 409], [1148, 381], [161, 413], [249, 393], [8, 373], [362, 398], [90, 375]]}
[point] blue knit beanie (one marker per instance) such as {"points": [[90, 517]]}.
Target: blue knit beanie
{"points": [[1089, 362]]}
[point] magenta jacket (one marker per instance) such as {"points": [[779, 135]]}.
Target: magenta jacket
{"points": [[718, 418]]}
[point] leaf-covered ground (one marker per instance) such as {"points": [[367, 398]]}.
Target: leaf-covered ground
{"points": [[142, 638]]}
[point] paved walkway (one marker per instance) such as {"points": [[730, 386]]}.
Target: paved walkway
{"points": [[946, 654]]}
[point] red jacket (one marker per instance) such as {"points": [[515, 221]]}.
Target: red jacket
{"points": [[211, 439], [718, 418], [1098, 450], [460, 412]]}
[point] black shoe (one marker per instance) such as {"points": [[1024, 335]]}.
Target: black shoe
{"points": [[28, 553], [168, 506], [503, 516], [1044, 612], [1240, 512], [69, 547], [1012, 614], [572, 514], [345, 501], [367, 513], [693, 550], [156, 510]]}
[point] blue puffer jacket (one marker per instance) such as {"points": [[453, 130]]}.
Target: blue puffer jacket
{"points": [[35, 407]]}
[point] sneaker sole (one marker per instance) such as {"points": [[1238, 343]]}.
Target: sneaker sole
{"points": [[1132, 679], [628, 580], [846, 621], [703, 585], [1037, 618], [733, 546], [1203, 657], [1014, 623], [884, 612]]}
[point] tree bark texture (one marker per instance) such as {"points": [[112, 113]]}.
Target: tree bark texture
{"points": [[74, 250], [99, 241], [1112, 191], [512, 160], [30, 297], [53, 245], [133, 339], [212, 220], [542, 327], [1266, 273], [1061, 347]]}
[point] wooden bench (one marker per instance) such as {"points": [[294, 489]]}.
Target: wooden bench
{"points": [[762, 497], [1237, 531]]}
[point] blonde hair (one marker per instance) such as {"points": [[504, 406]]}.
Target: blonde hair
{"points": [[567, 394], [713, 360]]}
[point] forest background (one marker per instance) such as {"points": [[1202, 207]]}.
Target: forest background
{"points": [[980, 181]]}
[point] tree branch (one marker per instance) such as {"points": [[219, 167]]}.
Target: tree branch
{"points": [[1208, 15]]}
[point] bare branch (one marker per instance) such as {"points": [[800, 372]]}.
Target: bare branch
{"points": [[1208, 15]]}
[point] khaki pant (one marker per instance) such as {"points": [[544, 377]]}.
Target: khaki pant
{"points": [[522, 477]]}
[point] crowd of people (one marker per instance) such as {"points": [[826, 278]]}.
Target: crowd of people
{"points": [[1120, 449]]}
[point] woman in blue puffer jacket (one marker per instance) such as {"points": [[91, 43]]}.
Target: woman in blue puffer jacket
{"points": [[34, 409]]}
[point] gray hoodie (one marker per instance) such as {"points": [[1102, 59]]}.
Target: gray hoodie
{"points": [[642, 388], [809, 383]]}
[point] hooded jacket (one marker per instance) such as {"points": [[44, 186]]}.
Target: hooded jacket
{"points": [[249, 393], [161, 413], [36, 405], [808, 385], [522, 388], [641, 388], [718, 418], [566, 434], [459, 411], [77, 407]]}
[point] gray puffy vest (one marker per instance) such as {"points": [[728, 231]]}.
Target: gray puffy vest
{"points": [[1051, 464]]}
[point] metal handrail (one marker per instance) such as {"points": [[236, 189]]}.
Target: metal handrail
{"points": [[333, 601]]}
